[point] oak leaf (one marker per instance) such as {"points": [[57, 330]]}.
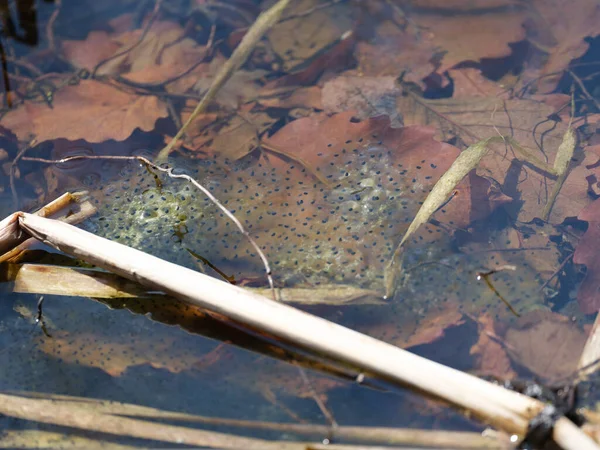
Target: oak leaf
{"points": [[300, 39], [588, 253], [546, 343], [490, 354], [91, 110], [369, 96], [560, 28]]}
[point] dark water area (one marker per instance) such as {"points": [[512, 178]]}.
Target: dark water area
{"points": [[325, 147]]}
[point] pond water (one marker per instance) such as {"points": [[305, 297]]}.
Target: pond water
{"points": [[324, 144]]}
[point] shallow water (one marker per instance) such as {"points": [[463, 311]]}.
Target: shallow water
{"points": [[328, 214]]}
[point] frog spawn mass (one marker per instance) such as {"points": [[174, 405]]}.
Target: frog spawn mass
{"points": [[331, 216]]}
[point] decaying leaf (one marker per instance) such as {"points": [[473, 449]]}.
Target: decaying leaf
{"points": [[426, 330], [462, 165], [165, 53], [231, 137], [77, 282], [241, 87], [301, 97], [470, 83], [87, 53], [441, 42], [90, 110], [546, 343], [560, 29], [491, 355], [531, 125], [369, 96], [298, 40], [588, 253]]}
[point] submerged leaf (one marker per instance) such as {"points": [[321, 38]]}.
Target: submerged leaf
{"points": [[546, 343], [588, 253], [90, 110]]}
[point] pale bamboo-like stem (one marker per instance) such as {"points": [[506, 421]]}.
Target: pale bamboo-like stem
{"points": [[590, 356], [355, 434], [507, 410]]}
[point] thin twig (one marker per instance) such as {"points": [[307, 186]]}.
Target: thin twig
{"points": [[263, 23], [169, 171]]}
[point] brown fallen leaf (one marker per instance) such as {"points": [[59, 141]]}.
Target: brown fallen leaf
{"points": [[164, 53], [588, 253], [300, 39], [440, 43], [91, 110], [432, 327], [531, 124], [546, 343], [560, 28], [301, 97], [85, 54], [470, 83], [462, 5], [369, 96], [393, 52], [241, 86], [231, 137], [491, 356]]}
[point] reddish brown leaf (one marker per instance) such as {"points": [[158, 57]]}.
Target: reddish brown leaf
{"points": [[469, 83], [433, 326], [242, 86], [164, 53], [302, 97], [232, 137], [298, 40], [548, 344], [588, 253], [473, 119], [560, 28], [462, 5], [447, 41], [369, 96], [90, 110], [88, 53], [414, 328], [394, 52], [491, 356]]}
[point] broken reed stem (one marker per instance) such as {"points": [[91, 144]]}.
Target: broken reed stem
{"points": [[263, 23], [169, 171]]}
